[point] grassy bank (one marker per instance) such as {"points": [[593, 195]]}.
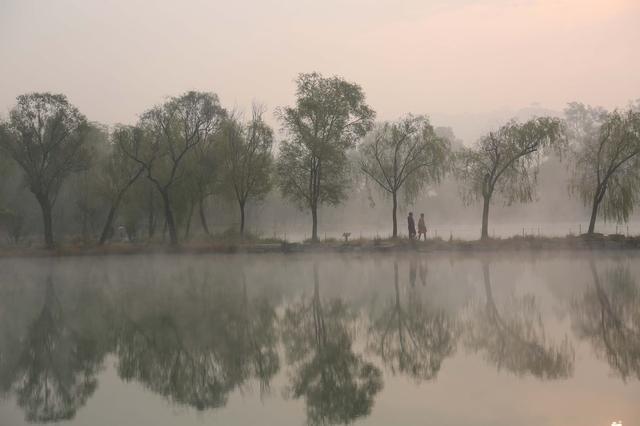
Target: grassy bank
{"points": [[582, 242]]}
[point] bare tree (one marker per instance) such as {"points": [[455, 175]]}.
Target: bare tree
{"points": [[246, 160], [46, 136], [507, 161], [175, 128], [329, 117], [404, 155], [606, 160]]}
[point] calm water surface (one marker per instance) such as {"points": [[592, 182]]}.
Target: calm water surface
{"points": [[438, 339]]}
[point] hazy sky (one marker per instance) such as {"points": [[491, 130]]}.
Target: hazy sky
{"points": [[451, 59]]}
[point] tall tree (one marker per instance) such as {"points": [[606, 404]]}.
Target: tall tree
{"points": [[46, 136], [606, 160], [330, 115], [119, 172], [175, 128], [507, 161], [405, 154], [246, 160]]}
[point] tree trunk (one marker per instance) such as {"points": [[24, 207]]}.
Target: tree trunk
{"points": [[170, 221], [187, 230], [203, 218], [594, 212], [45, 206], [314, 229], [485, 218], [108, 224], [151, 217], [394, 215], [241, 219]]}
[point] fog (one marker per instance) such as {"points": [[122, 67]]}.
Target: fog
{"points": [[470, 66], [290, 339], [466, 63]]}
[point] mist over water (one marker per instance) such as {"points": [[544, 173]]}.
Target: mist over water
{"points": [[527, 339]]}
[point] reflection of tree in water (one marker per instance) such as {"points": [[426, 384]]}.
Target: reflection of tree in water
{"points": [[608, 315], [199, 349], [413, 338], [55, 372], [515, 339], [338, 385]]}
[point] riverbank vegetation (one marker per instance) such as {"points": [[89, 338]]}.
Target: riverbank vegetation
{"points": [[84, 184]]}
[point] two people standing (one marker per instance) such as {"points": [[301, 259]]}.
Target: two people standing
{"points": [[422, 227]]}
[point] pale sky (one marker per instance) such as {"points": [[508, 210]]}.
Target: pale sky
{"points": [[454, 60]]}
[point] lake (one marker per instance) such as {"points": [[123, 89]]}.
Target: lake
{"points": [[527, 339]]}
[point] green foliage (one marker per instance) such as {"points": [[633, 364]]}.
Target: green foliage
{"points": [[245, 160], [175, 129], [606, 164], [405, 154], [329, 117], [507, 160], [117, 170], [46, 136]]}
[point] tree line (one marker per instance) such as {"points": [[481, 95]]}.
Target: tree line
{"points": [[190, 147]]}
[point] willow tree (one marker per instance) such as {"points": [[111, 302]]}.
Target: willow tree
{"points": [[118, 172], [404, 155], [46, 136], [507, 162], [330, 115], [246, 160], [606, 160], [175, 129]]}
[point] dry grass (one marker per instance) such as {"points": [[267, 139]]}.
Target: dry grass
{"points": [[255, 245]]}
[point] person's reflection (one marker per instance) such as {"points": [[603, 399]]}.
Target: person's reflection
{"points": [[55, 372], [201, 346], [423, 271], [608, 315], [515, 339], [338, 385], [411, 337]]}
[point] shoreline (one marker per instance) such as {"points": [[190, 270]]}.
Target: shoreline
{"points": [[528, 243]]}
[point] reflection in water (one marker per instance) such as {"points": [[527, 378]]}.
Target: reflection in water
{"points": [[205, 343], [54, 372], [338, 385], [195, 331], [413, 339], [608, 315], [515, 339]]}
